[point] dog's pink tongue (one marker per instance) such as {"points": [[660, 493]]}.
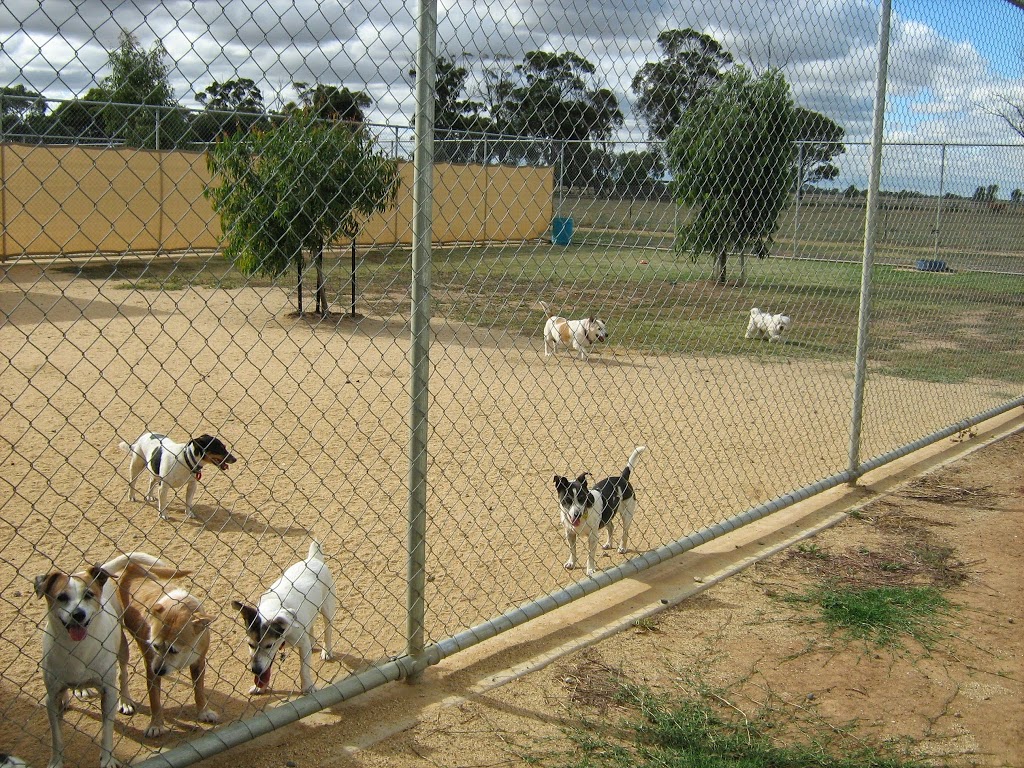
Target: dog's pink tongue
{"points": [[77, 633], [263, 679]]}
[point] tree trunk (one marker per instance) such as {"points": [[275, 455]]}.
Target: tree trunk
{"points": [[720, 267], [321, 288], [299, 266]]}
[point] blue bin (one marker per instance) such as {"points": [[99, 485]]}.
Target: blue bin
{"points": [[930, 265], [561, 230]]}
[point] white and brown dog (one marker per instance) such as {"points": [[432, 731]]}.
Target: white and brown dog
{"points": [[172, 465], [766, 325], [585, 511], [285, 614], [171, 630], [580, 334], [84, 647]]}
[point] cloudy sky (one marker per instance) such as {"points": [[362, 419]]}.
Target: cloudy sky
{"points": [[951, 60]]}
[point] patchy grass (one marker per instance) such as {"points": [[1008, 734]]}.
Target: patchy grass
{"points": [[881, 615], [698, 731]]}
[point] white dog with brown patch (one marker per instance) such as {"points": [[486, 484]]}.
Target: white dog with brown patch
{"points": [[766, 325], [84, 647], [578, 333]]}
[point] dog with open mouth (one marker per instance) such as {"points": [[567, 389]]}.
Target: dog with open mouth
{"points": [[84, 647], [172, 465], [585, 511], [285, 614]]}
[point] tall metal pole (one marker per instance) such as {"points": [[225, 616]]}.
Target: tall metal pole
{"points": [[938, 204], [422, 215], [870, 227]]}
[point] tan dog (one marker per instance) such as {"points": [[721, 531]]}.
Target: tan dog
{"points": [[171, 630]]}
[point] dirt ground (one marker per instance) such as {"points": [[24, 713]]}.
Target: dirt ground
{"points": [[958, 702], [317, 413]]}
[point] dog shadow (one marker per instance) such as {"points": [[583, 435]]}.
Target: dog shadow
{"points": [[217, 519]]}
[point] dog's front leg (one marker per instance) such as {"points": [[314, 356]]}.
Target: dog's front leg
{"points": [[198, 672], [108, 704], [190, 494], [592, 553], [55, 712], [570, 539], [306, 681], [125, 705], [156, 713]]}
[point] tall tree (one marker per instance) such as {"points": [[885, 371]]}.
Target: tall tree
{"points": [[332, 102], [731, 158], [692, 63], [558, 101], [21, 112], [299, 186], [142, 109], [820, 141], [231, 106], [459, 122]]}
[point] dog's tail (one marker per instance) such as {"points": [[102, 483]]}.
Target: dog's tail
{"points": [[154, 566], [125, 447], [315, 551], [631, 462], [545, 308]]}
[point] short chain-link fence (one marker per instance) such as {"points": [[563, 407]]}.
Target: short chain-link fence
{"points": [[649, 226]]}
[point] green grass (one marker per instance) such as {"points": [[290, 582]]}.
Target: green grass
{"points": [[669, 304], [880, 615], [688, 733]]}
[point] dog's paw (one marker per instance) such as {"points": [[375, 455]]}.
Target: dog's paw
{"points": [[152, 498], [85, 693], [570, 564], [208, 716], [126, 706], [622, 550], [155, 730], [256, 690], [309, 689], [326, 655]]}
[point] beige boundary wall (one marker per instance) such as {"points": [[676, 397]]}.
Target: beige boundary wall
{"points": [[81, 200]]}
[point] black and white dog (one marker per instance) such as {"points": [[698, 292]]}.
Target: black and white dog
{"points": [[585, 510], [172, 465]]}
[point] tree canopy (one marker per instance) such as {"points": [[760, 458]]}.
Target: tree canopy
{"points": [[820, 140], [691, 64], [298, 186], [732, 162]]}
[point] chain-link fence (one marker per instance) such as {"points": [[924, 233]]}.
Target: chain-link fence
{"points": [[408, 406]]}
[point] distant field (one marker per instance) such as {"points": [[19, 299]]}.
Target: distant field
{"points": [[970, 235]]}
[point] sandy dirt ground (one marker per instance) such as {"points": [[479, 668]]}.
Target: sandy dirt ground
{"points": [[317, 413], [957, 702]]}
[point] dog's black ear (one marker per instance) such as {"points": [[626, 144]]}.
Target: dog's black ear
{"points": [[250, 615], [583, 479], [561, 482], [99, 575]]}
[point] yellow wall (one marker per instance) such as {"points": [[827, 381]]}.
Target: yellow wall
{"points": [[66, 200]]}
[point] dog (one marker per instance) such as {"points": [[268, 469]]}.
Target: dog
{"points": [[585, 511], [579, 333], [10, 761], [170, 628], [84, 647], [765, 324], [172, 465], [285, 614]]}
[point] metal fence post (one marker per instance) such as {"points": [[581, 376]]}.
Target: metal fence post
{"points": [[938, 202], [422, 202], [870, 226]]}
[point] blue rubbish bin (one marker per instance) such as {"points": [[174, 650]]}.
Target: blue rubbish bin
{"points": [[561, 230]]}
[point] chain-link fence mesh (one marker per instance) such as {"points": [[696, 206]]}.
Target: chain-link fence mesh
{"points": [[208, 213]]}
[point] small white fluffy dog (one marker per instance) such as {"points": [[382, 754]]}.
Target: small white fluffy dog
{"points": [[766, 325], [579, 333], [285, 614]]}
